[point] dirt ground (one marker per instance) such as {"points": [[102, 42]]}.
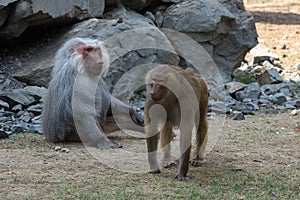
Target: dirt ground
{"points": [[278, 27], [257, 158]]}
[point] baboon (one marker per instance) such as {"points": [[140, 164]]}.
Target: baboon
{"points": [[184, 97], [78, 107]]}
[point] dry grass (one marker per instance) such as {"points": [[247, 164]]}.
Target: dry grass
{"points": [[254, 159]]}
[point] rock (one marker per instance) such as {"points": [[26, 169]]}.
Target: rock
{"points": [[35, 128], [137, 5], [35, 109], [289, 105], [251, 91], [295, 112], [17, 128], [295, 77], [251, 104], [4, 104], [269, 77], [259, 54], [39, 91], [238, 116], [269, 89], [4, 119], [26, 14], [112, 4], [218, 107], [4, 11], [246, 110], [224, 28], [18, 96], [234, 87], [3, 135], [278, 98], [270, 110], [17, 108], [125, 54], [26, 117], [297, 66], [172, 1]]}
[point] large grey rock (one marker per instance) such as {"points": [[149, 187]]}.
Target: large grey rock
{"points": [[269, 77], [224, 28], [278, 98], [251, 91], [130, 42], [4, 3], [18, 96], [234, 87], [24, 14]]}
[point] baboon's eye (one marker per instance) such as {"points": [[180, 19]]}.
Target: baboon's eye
{"points": [[89, 49]]}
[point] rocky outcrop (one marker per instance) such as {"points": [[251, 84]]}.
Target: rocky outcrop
{"points": [[223, 28], [17, 16]]}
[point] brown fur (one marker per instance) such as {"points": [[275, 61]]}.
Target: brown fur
{"points": [[175, 89]]}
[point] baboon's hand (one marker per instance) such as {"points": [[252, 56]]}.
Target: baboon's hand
{"points": [[136, 117]]}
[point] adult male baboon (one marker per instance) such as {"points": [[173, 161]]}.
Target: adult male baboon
{"points": [[78, 107], [184, 97]]}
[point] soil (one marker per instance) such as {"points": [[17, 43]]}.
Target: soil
{"points": [[31, 168], [278, 27]]}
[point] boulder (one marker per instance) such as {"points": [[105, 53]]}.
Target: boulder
{"points": [[224, 28], [251, 91], [144, 43], [269, 77], [24, 14], [18, 96]]}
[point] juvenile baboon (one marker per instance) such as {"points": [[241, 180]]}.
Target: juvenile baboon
{"points": [[184, 97], [78, 106]]}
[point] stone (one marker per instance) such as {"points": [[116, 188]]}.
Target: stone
{"points": [[125, 54], [26, 117], [137, 5], [269, 89], [278, 98], [238, 116], [17, 128], [270, 110], [26, 14], [17, 108], [18, 96], [295, 77], [218, 107], [259, 54], [295, 112], [39, 91], [35, 128], [35, 109], [234, 87], [4, 104], [251, 91], [270, 76], [3, 135], [210, 22]]}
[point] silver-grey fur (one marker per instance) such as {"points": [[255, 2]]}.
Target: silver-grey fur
{"points": [[69, 79]]}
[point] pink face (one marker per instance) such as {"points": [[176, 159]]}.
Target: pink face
{"points": [[157, 91], [92, 58]]}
